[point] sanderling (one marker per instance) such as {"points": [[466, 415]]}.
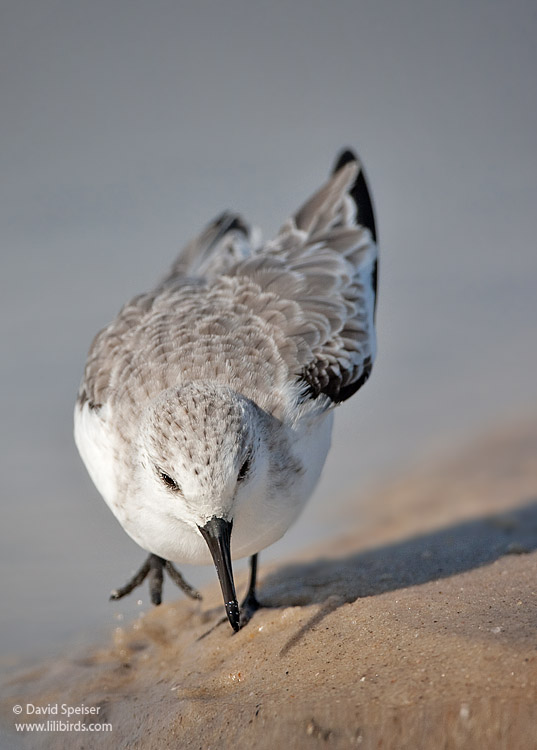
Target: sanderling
{"points": [[205, 412]]}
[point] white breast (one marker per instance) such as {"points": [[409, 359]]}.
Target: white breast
{"points": [[95, 443], [260, 524]]}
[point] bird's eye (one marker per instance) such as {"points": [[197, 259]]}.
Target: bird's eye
{"points": [[245, 468], [168, 481]]}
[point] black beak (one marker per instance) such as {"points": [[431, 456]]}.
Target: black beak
{"points": [[217, 534]]}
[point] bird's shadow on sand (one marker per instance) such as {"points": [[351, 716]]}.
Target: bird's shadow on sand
{"points": [[428, 557]]}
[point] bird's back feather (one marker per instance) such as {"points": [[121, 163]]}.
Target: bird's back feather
{"points": [[298, 310]]}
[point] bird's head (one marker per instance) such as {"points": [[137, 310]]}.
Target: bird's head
{"points": [[203, 455]]}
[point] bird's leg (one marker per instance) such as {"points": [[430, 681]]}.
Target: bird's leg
{"points": [[250, 602], [156, 577], [153, 568]]}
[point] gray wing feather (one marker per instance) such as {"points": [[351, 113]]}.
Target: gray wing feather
{"points": [[223, 243], [323, 261]]}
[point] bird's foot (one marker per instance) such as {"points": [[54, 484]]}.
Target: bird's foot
{"points": [[179, 581], [248, 608], [153, 568]]}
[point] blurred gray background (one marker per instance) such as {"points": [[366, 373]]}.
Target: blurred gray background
{"points": [[126, 126]]}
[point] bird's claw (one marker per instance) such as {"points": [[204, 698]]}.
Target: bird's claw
{"points": [[153, 568]]}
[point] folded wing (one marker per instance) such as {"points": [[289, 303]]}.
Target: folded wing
{"points": [[318, 282]]}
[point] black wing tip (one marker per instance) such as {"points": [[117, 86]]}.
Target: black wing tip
{"points": [[360, 191], [228, 221], [346, 156], [329, 383]]}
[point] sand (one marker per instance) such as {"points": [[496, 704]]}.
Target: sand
{"points": [[418, 629]]}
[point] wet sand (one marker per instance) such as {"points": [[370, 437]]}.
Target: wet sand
{"points": [[418, 629]]}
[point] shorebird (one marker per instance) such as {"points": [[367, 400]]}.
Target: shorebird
{"points": [[205, 413]]}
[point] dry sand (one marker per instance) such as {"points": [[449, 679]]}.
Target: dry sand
{"points": [[416, 630]]}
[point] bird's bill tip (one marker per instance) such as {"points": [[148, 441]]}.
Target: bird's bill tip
{"points": [[217, 534], [233, 615]]}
